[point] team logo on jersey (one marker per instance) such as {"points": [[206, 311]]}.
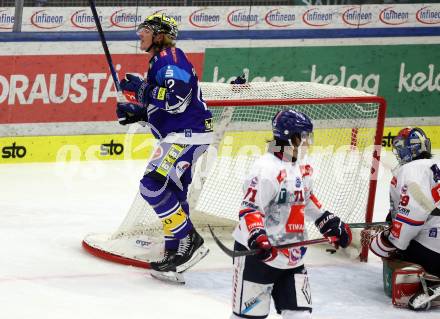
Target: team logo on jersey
{"points": [[254, 182], [281, 176], [394, 181], [404, 189], [181, 168], [396, 228], [282, 198], [295, 255], [435, 172], [298, 182], [433, 233], [295, 222]]}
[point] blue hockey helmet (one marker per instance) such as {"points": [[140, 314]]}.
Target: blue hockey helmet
{"points": [[410, 143], [289, 123]]}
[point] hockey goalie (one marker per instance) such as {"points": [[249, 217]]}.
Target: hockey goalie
{"points": [[410, 248]]}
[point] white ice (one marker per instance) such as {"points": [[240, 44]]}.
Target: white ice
{"points": [[46, 209]]}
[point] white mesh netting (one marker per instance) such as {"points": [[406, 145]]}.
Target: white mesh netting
{"points": [[341, 158]]}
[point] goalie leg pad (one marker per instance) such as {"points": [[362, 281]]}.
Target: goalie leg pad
{"points": [[406, 283]]}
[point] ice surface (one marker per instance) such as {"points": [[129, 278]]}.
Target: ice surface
{"points": [[46, 209]]}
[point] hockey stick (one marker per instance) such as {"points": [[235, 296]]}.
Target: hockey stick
{"points": [[239, 253], [120, 96]]}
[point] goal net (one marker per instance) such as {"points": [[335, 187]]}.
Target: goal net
{"points": [[348, 127]]}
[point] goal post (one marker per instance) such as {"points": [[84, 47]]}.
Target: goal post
{"points": [[348, 129]]}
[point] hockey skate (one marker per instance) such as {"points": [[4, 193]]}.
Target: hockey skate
{"points": [[166, 263], [165, 269], [191, 250], [429, 298]]}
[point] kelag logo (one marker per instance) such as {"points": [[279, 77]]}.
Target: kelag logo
{"points": [[125, 20], [428, 16], [242, 19], [315, 18], [202, 19], [13, 151], [83, 20], [391, 16], [279, 19], [43, 20], [112, 148], [353, 16], [6, 19]]}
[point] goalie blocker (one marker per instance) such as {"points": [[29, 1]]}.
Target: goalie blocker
{"points": [[410, 286]]}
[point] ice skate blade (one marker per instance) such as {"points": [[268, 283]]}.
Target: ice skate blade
{"points": [[200, 253], [168, 276]]}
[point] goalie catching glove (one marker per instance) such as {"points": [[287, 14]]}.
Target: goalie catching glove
{"points": [[336, 231], [129, 113], [381, 246]]}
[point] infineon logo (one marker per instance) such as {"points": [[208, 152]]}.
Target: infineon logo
{"points": [[426, 15], [125, 20], [202, 19], [83, 20], [392, 16], [178, 18], [242, 19], [354, 16], [6, 19], [278, 18], [43, 20], [315, 18]]}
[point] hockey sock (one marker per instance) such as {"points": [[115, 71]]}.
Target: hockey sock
{"points": [[175, 221]]}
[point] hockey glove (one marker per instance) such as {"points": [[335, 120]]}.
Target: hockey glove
{"points": [[258, 240], [381, 246], [239, 79], [335, 230], [131, 83], [130, 113], [139, 87]]}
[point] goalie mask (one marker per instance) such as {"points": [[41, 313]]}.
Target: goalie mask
{"points": [[410, 144], [160, 23], [289, 123]]}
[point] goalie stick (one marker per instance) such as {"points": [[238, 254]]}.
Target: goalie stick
{"points": [[239, 253]]}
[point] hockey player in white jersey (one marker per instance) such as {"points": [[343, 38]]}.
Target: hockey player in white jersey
{"points": [[278, 194], [414, 235]]}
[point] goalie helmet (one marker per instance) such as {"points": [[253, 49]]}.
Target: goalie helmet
{"points": [[289, 123], [410, 143], [161, 23]]}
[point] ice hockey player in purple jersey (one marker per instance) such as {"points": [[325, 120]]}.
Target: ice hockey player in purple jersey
{"points": [[170, 101], [414, 235], [278, 194]]}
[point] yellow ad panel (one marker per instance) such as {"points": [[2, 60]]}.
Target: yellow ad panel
{"points": [[34, 149], [75, 148]]}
